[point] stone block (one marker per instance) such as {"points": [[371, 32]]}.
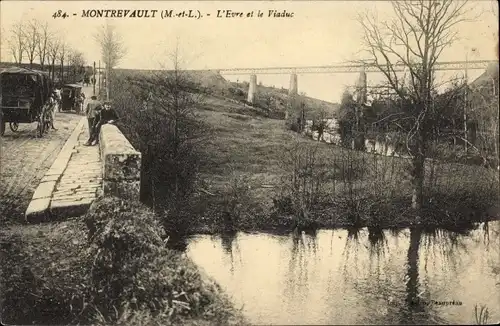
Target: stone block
{"points": [[46, 178], [60, 163], [70, 208], [120, 160], [122, 166], [74, 192], [74, 197], [123, 189], [37, 210], [54, 172], [44, 190], [64, 192]]}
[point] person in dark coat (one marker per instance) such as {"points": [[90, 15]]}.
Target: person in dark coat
{"points": [[106, 115], [93, 107]]}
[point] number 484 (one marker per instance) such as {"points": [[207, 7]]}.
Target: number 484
{"points": [[60, 14]]}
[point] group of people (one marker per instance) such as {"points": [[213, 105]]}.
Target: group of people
{"points": [[98, 114]]}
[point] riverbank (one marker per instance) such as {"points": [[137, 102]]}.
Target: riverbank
{"points": [[57, 273], [238, 169], [251, 160]]}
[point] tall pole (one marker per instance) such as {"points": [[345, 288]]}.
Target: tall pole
{"points": [[93, 81], [107, 83], [99, 78], [466, 98]]}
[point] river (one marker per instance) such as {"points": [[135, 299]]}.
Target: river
{"points": [[341, 277]]}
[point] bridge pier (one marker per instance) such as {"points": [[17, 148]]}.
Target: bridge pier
{"points": [[293, 89], [361, 87], [252, 89]]}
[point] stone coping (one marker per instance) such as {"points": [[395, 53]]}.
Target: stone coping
{"points": [[121, 164], [112, 141]]}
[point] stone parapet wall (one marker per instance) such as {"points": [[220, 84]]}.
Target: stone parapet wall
{"points": [[121, 164]]}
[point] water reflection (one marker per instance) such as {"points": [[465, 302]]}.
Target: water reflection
{"points": [[357, 276], [227, 242], [413, 303], [177, 242]]}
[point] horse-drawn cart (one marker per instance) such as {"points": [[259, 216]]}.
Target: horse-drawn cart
{"points": [[24, 98], [71, 98]]}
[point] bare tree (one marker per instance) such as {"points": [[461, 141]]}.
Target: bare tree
{"points": [[112, 49], [17, 42], [76, 61], [416, 37], [52, 54], [43, 42], [62, 52], [171, 97], [31, 38]]}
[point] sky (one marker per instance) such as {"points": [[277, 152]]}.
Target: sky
{"points": [[319, 33]]}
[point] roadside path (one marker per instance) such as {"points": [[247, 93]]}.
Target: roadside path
{"points": [[72, 183]]}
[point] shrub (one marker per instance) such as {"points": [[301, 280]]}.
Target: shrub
{"points": [[169, 135], [134, 276], [236, 201], [305, 182]]}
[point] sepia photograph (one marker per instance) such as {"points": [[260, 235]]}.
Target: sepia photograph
{"points": [[249, 162]]}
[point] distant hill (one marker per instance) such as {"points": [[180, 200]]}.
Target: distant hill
{"points": [[271, 101]]}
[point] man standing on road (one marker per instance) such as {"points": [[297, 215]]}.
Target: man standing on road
{"points": [[91, 112]]}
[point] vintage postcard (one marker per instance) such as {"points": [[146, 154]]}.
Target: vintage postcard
{"points": [[249, 162]]}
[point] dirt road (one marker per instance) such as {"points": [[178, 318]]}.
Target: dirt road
{"points": [[24, 159]]}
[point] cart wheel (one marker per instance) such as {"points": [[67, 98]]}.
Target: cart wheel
{"points": [[14, 126]]}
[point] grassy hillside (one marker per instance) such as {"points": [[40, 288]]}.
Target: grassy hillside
{"points": [[260, 155], [269, 101]]}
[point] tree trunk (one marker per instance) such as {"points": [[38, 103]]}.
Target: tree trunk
{"points": [[107, 82], [417, 181], [62, 71]]}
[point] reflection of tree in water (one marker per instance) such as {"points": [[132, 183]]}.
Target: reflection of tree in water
{"points": [[378, 244], [491, 240], [446, 247], [438, 245], [351, 246], [227, 239], [177, 242], [391, 304], [378, 276], [303, 246], [408, 306], [412, 299], [230, 246]]}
